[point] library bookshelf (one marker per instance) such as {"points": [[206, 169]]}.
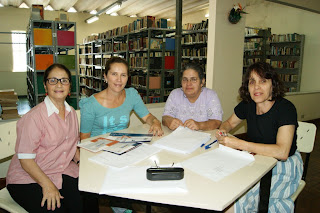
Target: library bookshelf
{"points": [[50, 42], [286, 56], [149, 53]]}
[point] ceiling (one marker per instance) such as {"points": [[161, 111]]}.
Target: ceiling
{"points": [[141, 8]]}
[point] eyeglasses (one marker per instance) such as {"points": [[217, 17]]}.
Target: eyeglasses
{"points": [[193, 80], [54, 81]]}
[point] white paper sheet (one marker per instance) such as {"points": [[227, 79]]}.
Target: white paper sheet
{"points": [[218, 163], [134, 180], [119, 161], [183, 140]]}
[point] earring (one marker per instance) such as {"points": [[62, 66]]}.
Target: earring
{"points": [[46, 94], [69, 94]]}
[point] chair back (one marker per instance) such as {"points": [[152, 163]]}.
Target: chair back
{"points": [[306, 134]]}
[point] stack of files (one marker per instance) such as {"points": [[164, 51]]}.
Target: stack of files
{"points": [[183, 140], [117, 182], [218, 163]]}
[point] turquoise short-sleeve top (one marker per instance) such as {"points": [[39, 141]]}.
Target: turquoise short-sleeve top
{"points": [[99, 120]]}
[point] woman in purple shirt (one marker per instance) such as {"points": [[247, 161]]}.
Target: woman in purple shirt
{"points": [[193, 105]]}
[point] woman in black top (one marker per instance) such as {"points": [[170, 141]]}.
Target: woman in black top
{"points": [[272, 125]]}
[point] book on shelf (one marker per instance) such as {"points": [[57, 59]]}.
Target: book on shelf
{"points": [[169, 62]]}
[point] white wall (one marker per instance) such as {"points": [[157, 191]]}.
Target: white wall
{"points": [[282, 20]]}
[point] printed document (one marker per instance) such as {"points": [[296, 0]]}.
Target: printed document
{"points": [[129, 158], [218, 163], [133, 179], [183, 140]]}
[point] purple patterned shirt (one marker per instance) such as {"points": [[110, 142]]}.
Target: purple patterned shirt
{"points": [[207, 106]]}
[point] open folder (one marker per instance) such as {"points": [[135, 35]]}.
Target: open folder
{"points": [[183, 140]]}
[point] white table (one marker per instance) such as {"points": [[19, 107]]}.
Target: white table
{"points": [[202, 192]]}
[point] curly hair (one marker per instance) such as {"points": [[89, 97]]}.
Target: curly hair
{"points": [[264, 70], [113, 60]]}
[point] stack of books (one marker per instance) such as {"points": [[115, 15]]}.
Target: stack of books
{"points": [[8, 102]]}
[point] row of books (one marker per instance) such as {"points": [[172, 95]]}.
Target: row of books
{"points": [[291, 89], [195, 52], [134, 44], [249, 61], [155, 62], [253, 44], [285, 37], [253, 53], [285, 64], [197, 26], [251, 31], [194, 38], [141, 81], [288, 77], [141, 23], [292, 51]]}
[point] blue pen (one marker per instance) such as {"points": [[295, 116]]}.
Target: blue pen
{"points": [[209, 145]]}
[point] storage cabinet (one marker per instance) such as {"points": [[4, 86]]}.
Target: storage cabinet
{"points": [[50, 42]]}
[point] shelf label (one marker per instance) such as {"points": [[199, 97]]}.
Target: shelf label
{"points": [[54, 34]]}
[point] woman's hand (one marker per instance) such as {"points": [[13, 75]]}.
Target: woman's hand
{"points": [[155, 128], [191, 124], [175, 123], [52, 195]]}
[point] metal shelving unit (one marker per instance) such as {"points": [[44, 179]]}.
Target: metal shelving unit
{"points": [[47, 44], [93, 56]]}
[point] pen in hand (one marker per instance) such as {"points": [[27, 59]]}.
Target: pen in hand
{"points": [[209, 145]]}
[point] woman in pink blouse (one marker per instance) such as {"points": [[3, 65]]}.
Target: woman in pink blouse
{"points": [[43, 174]]}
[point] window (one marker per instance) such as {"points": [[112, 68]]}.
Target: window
{"points": [[19, 51]]}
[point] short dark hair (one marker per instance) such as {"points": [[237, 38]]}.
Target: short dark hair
{"points": [[113, 60], [264, 70], [51, 67], [196, 67]]}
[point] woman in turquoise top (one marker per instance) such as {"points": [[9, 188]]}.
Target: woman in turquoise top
{"points": [[109, 110]]}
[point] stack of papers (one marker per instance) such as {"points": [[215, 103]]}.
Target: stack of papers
{"points": [[183, 140], [119, 161], [218, 163], [110, 145], [134, 180]]}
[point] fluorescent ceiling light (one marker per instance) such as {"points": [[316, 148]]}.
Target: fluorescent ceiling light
{"points": [[48, 8], [23, 5], [133, 16], [93, 12], [113, 8], [92, 19], [1, 5], [168, 19], [72, 10], [207, 15], [114, 14]]}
